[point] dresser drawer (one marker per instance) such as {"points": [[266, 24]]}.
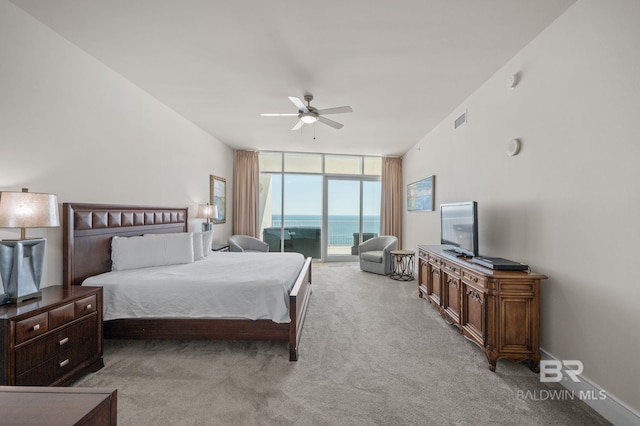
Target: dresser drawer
{"points": [[85, 306], [61, 315], [451, 268], [38, 352], [477, 281], [52, 340], [31, 327], [69, 347], [42, 374], [49, 371]]}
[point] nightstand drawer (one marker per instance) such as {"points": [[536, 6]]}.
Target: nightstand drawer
{"points": [[48, 372], [85, 306], [52, 340], [61, 315], [69, 347], [38, 352], [31, 327]]}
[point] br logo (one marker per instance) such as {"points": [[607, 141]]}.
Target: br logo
{"points": [[551, 370]]}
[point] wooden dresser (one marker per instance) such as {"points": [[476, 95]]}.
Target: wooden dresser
{"points": [[53, 340], [497, 310]]}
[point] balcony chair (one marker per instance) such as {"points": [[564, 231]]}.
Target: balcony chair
{"points": [[375, 254], [245, 243]]}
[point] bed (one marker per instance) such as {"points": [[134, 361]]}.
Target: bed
{"points": [[87, 233]]}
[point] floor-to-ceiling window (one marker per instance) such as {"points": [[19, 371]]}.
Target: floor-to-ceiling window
{"points": [[319, 205]]}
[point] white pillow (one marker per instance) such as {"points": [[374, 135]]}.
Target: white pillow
{"points": [[151, 250], [207, 240], [197, 246]]}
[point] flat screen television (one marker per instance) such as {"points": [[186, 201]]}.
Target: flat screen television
{"points": [[459, 227]]}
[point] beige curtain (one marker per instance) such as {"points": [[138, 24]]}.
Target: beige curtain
{"points": [[245, 193], [392, 198]]}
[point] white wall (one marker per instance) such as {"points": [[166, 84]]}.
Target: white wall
{"points": [[568, 203], [73, 127]]}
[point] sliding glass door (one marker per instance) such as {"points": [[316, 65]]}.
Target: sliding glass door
{"points": [[352, 215], [320, 205]]}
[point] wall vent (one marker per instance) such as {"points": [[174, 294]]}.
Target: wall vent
{"points": [[460, 120]]}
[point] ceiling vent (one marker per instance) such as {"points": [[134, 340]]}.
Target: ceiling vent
{"points": [[460, 120]]}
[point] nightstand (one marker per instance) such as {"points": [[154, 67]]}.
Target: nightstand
{"points": [[219, 247], [52, 340]]}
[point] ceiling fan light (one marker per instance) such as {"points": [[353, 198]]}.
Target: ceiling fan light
{"points": [[308, 118]]}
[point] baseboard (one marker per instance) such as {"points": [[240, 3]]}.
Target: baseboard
{"points": [[609, 407]]}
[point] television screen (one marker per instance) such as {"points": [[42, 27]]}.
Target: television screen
{"points": [[459, 227]]}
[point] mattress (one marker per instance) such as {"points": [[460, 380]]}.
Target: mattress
{"points": [[222, 285]]}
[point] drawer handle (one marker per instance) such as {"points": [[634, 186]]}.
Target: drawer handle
{"points": [[36, 327], [65, 362], [63, 341], [88, 307]]}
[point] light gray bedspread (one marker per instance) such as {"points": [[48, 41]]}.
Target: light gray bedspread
{"points": [[222, 285]]}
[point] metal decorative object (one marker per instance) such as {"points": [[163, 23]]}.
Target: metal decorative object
{"points": [[21, 264]]}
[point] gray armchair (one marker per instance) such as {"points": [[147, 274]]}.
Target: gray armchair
{"points": [[375, 254], [245, 243]]}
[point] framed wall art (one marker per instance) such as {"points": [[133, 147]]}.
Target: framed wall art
{"points": [[218, 198], [420, 195]]}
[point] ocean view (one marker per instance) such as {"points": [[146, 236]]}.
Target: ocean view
{"points": [[341, 228]]}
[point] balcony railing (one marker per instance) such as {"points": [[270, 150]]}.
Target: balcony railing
{"points": [[304, 236]]}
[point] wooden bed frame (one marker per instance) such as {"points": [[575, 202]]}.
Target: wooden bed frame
{"points": [[87, 233]]}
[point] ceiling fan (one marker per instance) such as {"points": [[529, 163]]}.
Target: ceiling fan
{"points": [[309, 115]]}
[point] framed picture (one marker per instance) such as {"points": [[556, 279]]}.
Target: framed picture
{"points": [[420, 195], [218, 198]]}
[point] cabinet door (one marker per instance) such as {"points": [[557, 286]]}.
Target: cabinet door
{"points": [[423, 277], [451, 298], [473, 313], [517, 331], [435, 289]]}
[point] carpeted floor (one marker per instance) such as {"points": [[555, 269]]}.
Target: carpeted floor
{"points": [[372, 353]]}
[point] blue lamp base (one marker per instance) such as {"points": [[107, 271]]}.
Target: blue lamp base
{"points": [[21, 264]]}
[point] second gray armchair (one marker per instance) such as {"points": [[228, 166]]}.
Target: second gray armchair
{"points": [[245, 243], [375, 254]]}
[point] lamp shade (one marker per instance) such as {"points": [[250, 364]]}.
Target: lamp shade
{"points": [[206, 211], [28, 210]]}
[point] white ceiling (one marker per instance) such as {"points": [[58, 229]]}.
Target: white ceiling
{"points": [[402, 65]]}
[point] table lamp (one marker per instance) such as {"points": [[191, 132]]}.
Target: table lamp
{"points": [[22, 261], [208, 212]]}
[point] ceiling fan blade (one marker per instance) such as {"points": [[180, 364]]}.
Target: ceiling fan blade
{"points": [[279, 115], [298, 125], [331, 123], [298, 103], [337, 110]]}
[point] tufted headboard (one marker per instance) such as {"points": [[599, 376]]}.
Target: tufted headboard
{"points": [[88, 229]]}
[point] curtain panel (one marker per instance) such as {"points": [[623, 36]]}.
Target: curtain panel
{"points": [[392, 198], [245, 193]]}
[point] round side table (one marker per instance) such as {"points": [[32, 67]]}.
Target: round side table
{"points": [[403, 264]]}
